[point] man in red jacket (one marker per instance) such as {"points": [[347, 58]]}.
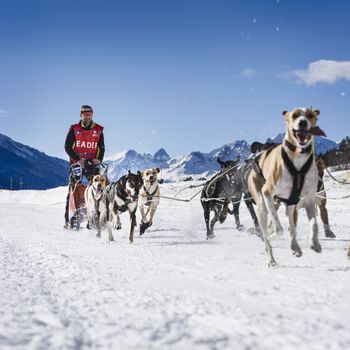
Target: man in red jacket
{"points": [[84, 145]]}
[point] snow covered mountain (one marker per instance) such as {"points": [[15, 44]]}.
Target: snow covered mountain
{"points": [[232, 151], [119, 164], [28, 167], [195, 164], [36, 170]]}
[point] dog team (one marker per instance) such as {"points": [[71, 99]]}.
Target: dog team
{"points": [[288, 173]]}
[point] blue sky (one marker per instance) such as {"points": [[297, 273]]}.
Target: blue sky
{"points": [[183, 75]]}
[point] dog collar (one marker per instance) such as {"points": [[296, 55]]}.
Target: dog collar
{"points": [[296, 149]]}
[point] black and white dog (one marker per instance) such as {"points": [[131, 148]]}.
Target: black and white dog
{"points": [[224, 188], [123, 196], [240, 189]]}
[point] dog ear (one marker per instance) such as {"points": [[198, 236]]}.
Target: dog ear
{"points": [[316, 112], [157, 170], [285, 114], [139, 173]]}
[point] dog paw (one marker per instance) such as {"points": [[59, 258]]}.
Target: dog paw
{"points": [[98, 235], [330, 234], [210, 236], [118, 226], [316, 246], [272, 263], [143, 227], [297, 253]]}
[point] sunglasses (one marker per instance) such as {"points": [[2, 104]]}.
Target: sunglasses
{"points": [[86, 114]]}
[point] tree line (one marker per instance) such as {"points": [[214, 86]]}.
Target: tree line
{"points": [[339, 158]]}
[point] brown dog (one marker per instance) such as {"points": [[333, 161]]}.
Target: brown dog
{"points": [[95, 201], [288, 172]]}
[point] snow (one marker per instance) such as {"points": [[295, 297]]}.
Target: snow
{"points": [[170, 289]]}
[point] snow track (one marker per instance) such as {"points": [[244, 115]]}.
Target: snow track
{"points": [[170, 289]]}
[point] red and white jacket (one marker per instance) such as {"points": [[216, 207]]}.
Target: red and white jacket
{"points": [[86, 141]]}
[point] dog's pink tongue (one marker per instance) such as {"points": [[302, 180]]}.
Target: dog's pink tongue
{"points": [[316, 131]]}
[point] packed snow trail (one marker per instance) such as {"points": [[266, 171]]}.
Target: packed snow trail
{"points": [[170, 289]]}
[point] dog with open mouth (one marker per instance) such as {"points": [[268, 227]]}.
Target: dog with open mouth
{"points": [[96, 203], [288, 172], [149, 197], [123, 196]]}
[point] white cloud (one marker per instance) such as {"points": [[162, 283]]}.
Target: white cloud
{"points": [[247, 73], [324, 71]]}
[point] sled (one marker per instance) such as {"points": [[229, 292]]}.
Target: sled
{"points": [[77, 209]]}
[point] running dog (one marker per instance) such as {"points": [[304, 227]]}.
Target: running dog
{"points": [[288, 172], [321, 200], [96, 203], [123, 196], [149, 197], [216, 196], [239, 190]]}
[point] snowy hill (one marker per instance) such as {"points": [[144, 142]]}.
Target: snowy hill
{"points": [[170, 289], [23, 163]]}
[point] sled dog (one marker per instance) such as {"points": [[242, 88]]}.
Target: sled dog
{"points": [[216, 196], [320, 200], [240, 189], [96, 203], [123, 196], [149, 197], [288, 172]]}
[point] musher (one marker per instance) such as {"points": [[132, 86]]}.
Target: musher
{"points": [[84, 145]]}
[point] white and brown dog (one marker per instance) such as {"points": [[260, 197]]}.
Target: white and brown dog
{"points": [[96, 203], [288, 172], [149, 197]]}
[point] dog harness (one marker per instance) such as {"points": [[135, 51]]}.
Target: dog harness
{"points": [[149, 195], [298, 178], [298, 175]]}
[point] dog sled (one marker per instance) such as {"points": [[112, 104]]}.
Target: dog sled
{"points": [[76, 207]]}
